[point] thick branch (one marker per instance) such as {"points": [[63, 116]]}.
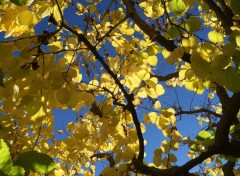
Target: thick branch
{"points": [[230, 111], [226, 19], [110, 30], [222, 95], [153, 35], [228, 168], [190, 164], [226, 10], [166, 77], [107, 156], [202, 110]]}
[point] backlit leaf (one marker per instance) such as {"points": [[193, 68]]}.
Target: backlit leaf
{"points": [[215, 37], [193, 24], [35, 161], [5, 159], [202, 135], [177, 6], [152, 60], [63, 95]]}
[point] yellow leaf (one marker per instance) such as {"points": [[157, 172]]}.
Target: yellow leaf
{"points": [[152, 82], [63, 95], [81, 132], [150, 118], [55, 46], [215, 37], [133, 82], [152, 60], [33, 107], [157, 157], [142, 93], [172, 158], [167, 132], [165, 146], [143, 128], [159, 89], [143, 75], [74, 99], [86, 98], [162, 122], [167, 113], [56, 14], [40, 113], [176, 135], [157, 105], [126, 29], [27, 18]]}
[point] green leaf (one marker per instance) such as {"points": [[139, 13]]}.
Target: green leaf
{"points": [[5, 159], [35, 161], [228, 158], [193, 24], [234, 38], [2, 173], [232, 79], [235, 6], [6, 165], [1, 2], [236, 57], [173, 32], [229, 49], [18, 2], [200, 66], [209, 141], [202, 135], [17, 171], [194, 148], [177, 6], [234, 128]]}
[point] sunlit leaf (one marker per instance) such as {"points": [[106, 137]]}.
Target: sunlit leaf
{"points": [[35, 161], [202, 135], [215, 37], [177, 6], [152, 60]]}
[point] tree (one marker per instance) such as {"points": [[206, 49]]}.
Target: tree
{"points": [[114, 60]]}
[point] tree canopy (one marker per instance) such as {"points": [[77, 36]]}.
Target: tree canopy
{"points": [[115, 63]]}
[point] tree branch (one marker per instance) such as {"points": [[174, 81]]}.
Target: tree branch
{"points": [[190, 164], [99, 40], [226, 19], [107, 156], [202, 110], [153, 35], [129, 97], [166, 77], [226, 10], [230, 110], [228, 168]]}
